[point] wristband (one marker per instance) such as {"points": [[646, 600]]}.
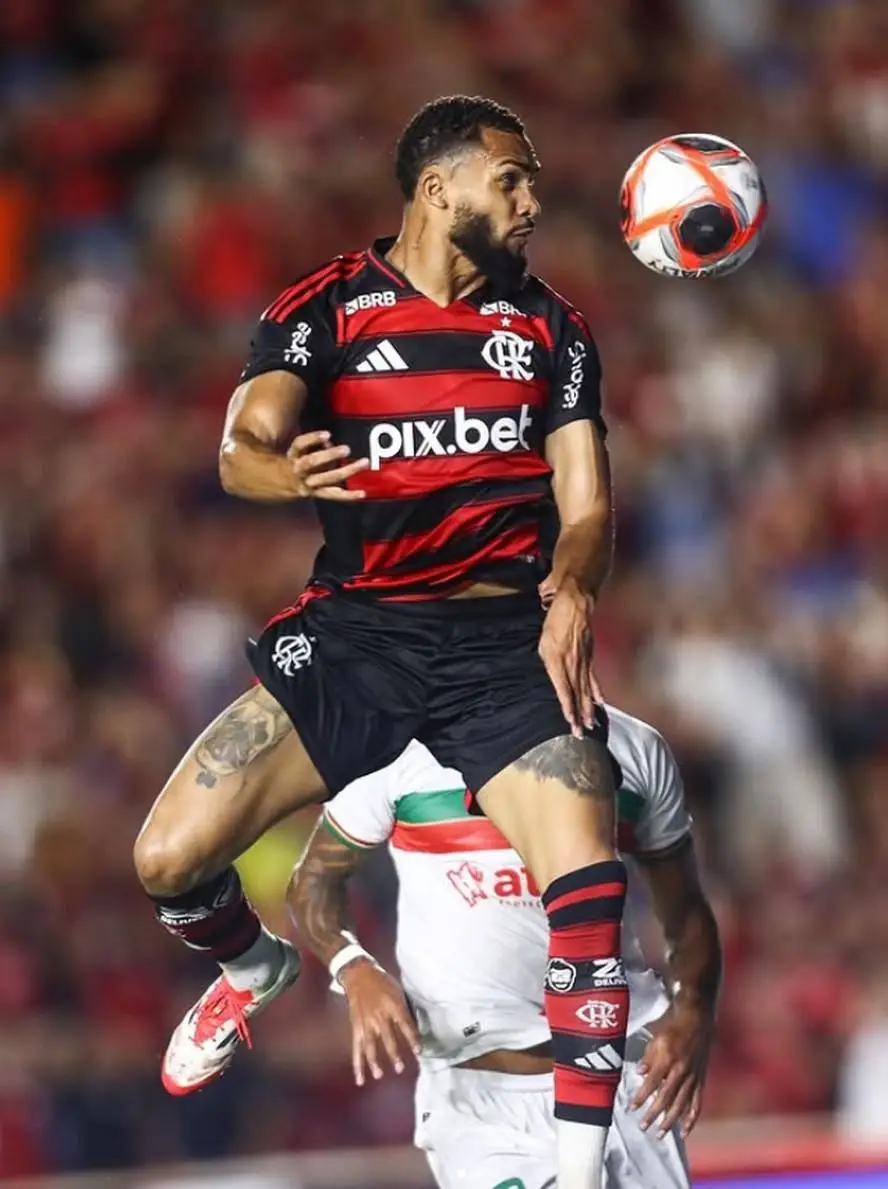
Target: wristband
{"points": [[348, 954]]}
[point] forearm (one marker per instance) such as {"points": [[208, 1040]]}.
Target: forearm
{"points": [[318, 895], [695, 958], [255, 470], [583, 553]]}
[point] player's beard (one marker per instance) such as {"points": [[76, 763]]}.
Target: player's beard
{"points": [[473, 234]]}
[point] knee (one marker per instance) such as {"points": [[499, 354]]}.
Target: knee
{"points": [[164, 866]]}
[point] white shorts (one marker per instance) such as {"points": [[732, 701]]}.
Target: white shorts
{"points": [[484, 1130]]}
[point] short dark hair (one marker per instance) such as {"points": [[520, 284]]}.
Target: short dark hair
{"points": [[444, 125]]}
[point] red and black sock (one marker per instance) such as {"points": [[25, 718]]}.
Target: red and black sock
{"points": [[215, 918], [587, 999]]}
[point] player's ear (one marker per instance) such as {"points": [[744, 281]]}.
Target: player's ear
{"points": [[432, 187]]}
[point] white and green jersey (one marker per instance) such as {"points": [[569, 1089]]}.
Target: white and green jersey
{"points": [[472, 935]]}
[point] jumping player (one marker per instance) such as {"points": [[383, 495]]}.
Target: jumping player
{"points": [[442, 408], [471, 946]]}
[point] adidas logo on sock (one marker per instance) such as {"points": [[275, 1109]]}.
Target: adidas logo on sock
{"points": [[384, 358]]}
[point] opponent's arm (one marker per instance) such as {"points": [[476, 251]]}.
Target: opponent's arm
{"points": [[260, 459], [318, 900], [318, 893], [676, 1059]]}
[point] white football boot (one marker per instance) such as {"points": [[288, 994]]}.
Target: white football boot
{"points": [[205, 1042]]}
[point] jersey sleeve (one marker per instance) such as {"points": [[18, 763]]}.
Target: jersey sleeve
{"points": [[362, 815], [295, 334], [665, 819], [576, 381]]}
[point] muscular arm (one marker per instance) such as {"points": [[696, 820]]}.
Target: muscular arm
{"points": [[318, 892], [259, 426], [693, 945], [582, 488]]}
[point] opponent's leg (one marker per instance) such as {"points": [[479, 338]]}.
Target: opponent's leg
{"points": [[246, 772], [556, 806]]}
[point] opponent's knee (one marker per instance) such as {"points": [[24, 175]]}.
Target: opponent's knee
{"points": [[165, 867]]}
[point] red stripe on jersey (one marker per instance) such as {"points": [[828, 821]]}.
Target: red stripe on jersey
{"points": [[417, 477], [417, 315], [272, 314], [345, 275], [342, 268], [461, 523], [447, 838], [511, 545], [418, 392]]}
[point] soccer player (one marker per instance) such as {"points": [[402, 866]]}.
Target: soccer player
{"points": [[442, 409], [471, 946]]}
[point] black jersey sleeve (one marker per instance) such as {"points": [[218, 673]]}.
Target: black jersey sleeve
{"points": [[295, 334], [576, 380]]}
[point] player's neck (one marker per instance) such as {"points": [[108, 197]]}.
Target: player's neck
{"points": [[433, 266]]}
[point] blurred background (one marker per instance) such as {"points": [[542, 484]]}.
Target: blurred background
{"points": [[166, 167]]}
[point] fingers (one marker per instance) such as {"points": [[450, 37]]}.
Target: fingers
{"points": [[366, 1041], [693, 1112], [314, 462], [597, 694], [586, 695], [390, 1043], [305, 442], [676, 1104], [336, 475], [387, 1030], [557, 671], [358, 1056]]}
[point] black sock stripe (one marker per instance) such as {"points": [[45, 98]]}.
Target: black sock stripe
{"points": [[587, 912], [611, 871], [594, 1116]]}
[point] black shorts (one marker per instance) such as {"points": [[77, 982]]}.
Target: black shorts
{"points": [[360, 679]]}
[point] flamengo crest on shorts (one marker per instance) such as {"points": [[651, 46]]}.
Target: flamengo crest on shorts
{"points": [[292, 653]]}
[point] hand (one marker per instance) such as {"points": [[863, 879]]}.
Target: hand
{"points": [[566, 651], [315, 466], [674, 1065], [379, 1013]]}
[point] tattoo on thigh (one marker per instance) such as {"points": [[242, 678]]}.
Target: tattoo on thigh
{"points": [[256, 723], [582, 765]]}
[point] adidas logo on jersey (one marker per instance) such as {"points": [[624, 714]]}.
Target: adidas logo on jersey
{"points": [[455, 433], [383, 358], [603, 1060]]}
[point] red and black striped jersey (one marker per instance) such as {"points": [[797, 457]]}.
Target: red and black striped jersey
{"points": [[452, 407]]}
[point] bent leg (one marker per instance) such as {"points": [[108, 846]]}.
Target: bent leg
{"points": [[246, 772]]}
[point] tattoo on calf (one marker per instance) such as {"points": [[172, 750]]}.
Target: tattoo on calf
{"points": [[254, 724], [582, 765]]}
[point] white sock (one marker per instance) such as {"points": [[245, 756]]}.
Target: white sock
{"points": [[259, 966], [580, 1155]]}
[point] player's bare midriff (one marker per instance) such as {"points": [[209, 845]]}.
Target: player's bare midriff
{"points": [[483, 590], [519, 1061]]}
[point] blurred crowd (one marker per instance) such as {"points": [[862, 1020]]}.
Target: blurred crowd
{"points": [[165, 168]]}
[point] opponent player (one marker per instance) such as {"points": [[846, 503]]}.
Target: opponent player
{"points": [[443, 409], [471, 945]]}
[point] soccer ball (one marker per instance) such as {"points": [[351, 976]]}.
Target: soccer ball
{"points": [[693, 205]]}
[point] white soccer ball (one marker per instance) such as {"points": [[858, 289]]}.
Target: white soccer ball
{"points": [[693, 205]]}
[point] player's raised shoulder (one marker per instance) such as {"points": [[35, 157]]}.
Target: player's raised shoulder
{"points": [[316, 283]]}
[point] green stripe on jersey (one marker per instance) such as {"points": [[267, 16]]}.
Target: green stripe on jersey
{"points": [[447, 805], [629, 805], [340, 835], [418, 809]]}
